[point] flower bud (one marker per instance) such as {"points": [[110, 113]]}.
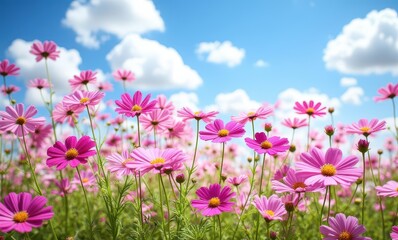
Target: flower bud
{"points": [[363, 146], [331, 110], [292, 148], [267, 127], [329, 130], [273, 235], [180, 178], [380, 151]]}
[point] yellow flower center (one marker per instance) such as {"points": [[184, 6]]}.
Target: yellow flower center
{"points": [[20, 121], [269, 213], [223, 133], [126, 161], [251, 115], [136, 108], [71, 154], [214, 202], [158, 161], [345, 236], [328, 170], [299, 185], [266, 144], [365, 129], [85, 180], [310, 111], [84, 100], [20, 217]]}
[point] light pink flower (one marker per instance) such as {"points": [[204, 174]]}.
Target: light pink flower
{"points": [[84, 78], [156, 119], [294, 184], [78, 100], [366, 127], [394, 233], [389, 92], [294, 123], [39, 83], [187, 114], [236, 181], [311, 109], [124, 75], [342, 227], [45, 50], [388, 190], [117, 163], [262, 113], [270, 208]]}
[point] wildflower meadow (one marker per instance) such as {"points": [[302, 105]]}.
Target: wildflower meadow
{"points": [[137, 166]]}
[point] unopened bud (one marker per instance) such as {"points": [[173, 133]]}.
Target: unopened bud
{"points": [[329, 130], [273, 235], [289, 206], [180, 178], [292, 148], [331, 110], [267, 127], [363, 146], [380, 151]]}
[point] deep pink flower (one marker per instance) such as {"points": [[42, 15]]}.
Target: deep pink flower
{"points": [[147, 159], [342, 227], [187, 114], [45, 50], [217, 132], [272, 146], [329, 169], [156, 119], [117, 163], [132, 107], [7, 90], [388, 190], [78, 100], [294, 184], [73, 152], [366, 127], [64, 187], [262, 113], [270, 208], [21, 213], [124, 75], [81, 81], [41, 133], [236, 181], [389, 92], [39, 83], [394, 233], [7, 69], [213, 200], [310, 109], [21, 123]]}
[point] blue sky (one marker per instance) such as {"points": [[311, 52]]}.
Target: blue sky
{"points": [[291, 37]]}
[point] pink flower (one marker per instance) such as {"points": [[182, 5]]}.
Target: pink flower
{"points": [[389, 92], [88, 179], [73, 152], [45, 50], [218, 133], [85, 77], [292, 183], [146, 160], [39, 83], [365, 127], [295, 123], [236, 181], [394, 233], [270, 208], [156, 119], [7, 90], [124, 75], [162, 103], [388, 190], [310, 109], [15, 120], [64, 187], [272, 146], [117, 163], [262, 113], [21, 213], [342, 227], [78, 100], [104, 86], [7, 69], [132, 107], [187, 114], [64, 113], [213, 200], [329, 169], [176, 130]]}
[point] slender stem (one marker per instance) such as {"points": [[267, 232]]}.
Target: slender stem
{"points": [[167, 205], [138, 131], [382, 218], [262, 175], [308, 133], [172, 187], [95, 140], [154, 136], [267, 224], [161, 205], [363, 188], [124, 85], [352, 197], [323, 206], [5, 88], [395, 215], [190, 171], [330, 200], [219, 226], [87, 204], [222, 161]]}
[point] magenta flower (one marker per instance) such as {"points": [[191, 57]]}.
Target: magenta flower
{"points": [[236, 181], [187, 114], [85, 77], [388, 190], [294, 184], [45, 50], [7, 90], [117, 163], [64, 187], [156, 119], [15, 120], [218, 133], [310, 109], [146, 160], [389, 92], [78, 100], [7, 69], [21, 213], [295, 123], [329, 169], [39, 83], [365, 127], [262, 113], [73, 152], [272, 146], [342, 227], [394, 233], [132, 107], [124, 75], [270, 208], [213, 200]]}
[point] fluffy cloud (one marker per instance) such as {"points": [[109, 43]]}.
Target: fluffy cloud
{"points": [[261, 64], [348, 82], [60, 70], [234, 102], [353, 95], [184, 99], [90, 19], [155, 65], [366, 45], [221, 53]]}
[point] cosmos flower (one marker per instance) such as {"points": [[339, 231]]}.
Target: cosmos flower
{"points": [[366, 127], [310, 109], [273, 145], [64, 113], [388, 92], [78, 100], [124, 75], [20, 212], [116, 163], [262, 113], [39, 83], [294, 184], [213, 200], [270, 208], [342, 227], [217, 132], [45, 50], [135, 106], [294, 123], [162, 103], [84, 78], [7, 90], [156, 119], [64, 187], [388, 190], [187, 114], [236, 181], [394, 233], [7, 69]]}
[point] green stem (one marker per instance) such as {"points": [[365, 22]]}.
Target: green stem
{"points": [[308, 133], [95, 140], [167, 205], [87, 204], [323, 207], [5, 87], [363, 188], [222, 161], [190, 171], [161, 205], [138, 131], [262, 175], [219, 225], [330, 199], [352, 197]]}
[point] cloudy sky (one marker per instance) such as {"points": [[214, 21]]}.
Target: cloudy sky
{"points": [[228, 55]]}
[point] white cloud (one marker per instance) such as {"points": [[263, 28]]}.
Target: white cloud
{"points": [[234, 102], [348, 82], [154, 65], [261, 64], [353, 95], [121, 17], [366, 45], [221, 53], [185, 99], [60, 70]]}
